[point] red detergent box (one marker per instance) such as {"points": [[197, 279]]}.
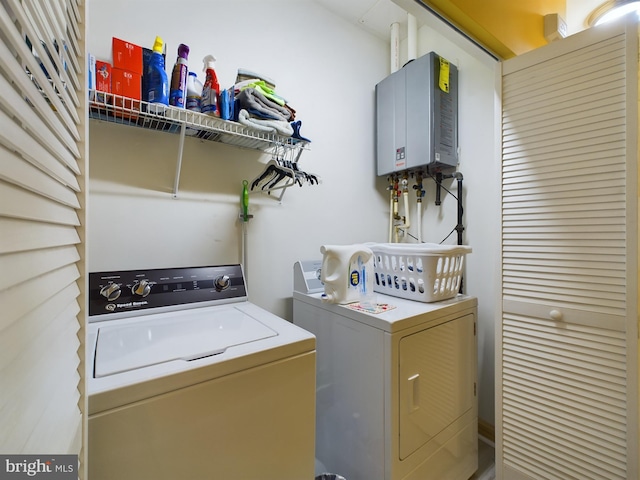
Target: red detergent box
{"points": [[127, 56], [103, 80], [126, 84]]}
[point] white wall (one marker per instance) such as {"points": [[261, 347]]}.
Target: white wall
{"points": [[479, 123], [577, 13], [324, 66], [327, 68]]}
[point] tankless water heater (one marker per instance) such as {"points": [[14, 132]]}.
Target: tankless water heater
{"points": [[417, 117]]}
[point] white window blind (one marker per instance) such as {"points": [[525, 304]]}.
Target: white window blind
{"points": [[42, 195], [568, 337], [564, 180]]}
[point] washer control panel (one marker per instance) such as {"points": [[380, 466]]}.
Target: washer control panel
{"points": [[134, 290]]}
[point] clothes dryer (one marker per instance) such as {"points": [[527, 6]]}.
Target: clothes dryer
{"points": [[396, 390]]}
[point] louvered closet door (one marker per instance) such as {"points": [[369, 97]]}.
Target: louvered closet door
{"points": [[567, 384], [42, 193]]}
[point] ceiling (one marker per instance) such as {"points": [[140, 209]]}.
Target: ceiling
{"points": [[376, 16]]}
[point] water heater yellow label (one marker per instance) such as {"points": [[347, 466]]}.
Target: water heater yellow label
{"points": [[443, 82]]}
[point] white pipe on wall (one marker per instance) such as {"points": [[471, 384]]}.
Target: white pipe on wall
{"points": [[412, 37], [391, 203], [394, 67], [419, 221], [395, 47], [396, 209], [407, 221]]}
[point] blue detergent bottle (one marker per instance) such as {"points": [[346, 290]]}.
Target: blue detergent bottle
{"points": [[178, 90], [158, 84]]}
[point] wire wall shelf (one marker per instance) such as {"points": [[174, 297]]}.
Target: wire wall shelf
{"points": [[113, 108], [154, 116]]}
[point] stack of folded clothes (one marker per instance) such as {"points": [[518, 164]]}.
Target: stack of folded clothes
{"points": [[259, 107]]}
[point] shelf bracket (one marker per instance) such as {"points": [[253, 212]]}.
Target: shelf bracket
{"points": [[176, 182]]}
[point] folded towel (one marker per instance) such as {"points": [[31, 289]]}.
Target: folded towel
{"points": [[265, 89], [291, 111], [262, 114], [244, 74], [244, 84], [268, 92], [251, 99], [268, 102], [281, 127]]}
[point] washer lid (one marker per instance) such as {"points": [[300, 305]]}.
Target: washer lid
{"points": [[187, 335]]}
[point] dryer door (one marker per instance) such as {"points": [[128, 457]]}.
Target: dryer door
{"points": [[436, 380]]}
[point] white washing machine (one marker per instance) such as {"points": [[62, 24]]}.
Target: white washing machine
{"points": [[396, 391], [189, 380]]}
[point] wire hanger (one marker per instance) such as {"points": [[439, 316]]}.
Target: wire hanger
{"points": [[282, 171]]}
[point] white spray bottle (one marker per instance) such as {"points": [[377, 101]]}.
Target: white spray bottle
{"points": [[211, 89]]}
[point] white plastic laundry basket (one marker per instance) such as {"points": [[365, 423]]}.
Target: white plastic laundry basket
{"points": [[426, 272]]}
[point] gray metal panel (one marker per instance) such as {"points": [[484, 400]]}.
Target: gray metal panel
{"points": [[416, 122], [419, 79], [390, 120], [445, 131]]}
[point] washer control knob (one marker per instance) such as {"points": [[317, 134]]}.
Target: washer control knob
{"points": [[142, 288], [222, 282], [111, 292]]}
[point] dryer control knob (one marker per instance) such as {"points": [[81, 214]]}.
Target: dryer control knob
{"points": [[142, 288], [111, 292], [222, 282]]}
